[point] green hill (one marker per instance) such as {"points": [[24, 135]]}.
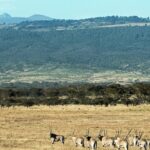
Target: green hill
{"points": [[73, 54]]}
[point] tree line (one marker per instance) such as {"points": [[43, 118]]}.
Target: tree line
{"points": [[88, 94]]}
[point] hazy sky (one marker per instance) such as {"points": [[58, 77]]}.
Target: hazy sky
{"points": [[75, 9]]}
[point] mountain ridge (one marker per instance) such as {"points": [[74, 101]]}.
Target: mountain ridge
{"points": [[8, 19], [5, 18]]}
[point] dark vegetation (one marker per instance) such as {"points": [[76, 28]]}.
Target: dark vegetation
{"points": [[122, 48], [92, 94]]}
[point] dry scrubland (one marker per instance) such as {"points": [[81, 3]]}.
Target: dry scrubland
{"points": [[24, 128]]}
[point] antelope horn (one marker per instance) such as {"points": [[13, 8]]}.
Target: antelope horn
{"points": [[128, 133], [100, 131], [50, 127], [120, 132], [141, 134], [73, 132], [117, 133], [135, 131], [87, 132], [106, 132], [50, 131]]}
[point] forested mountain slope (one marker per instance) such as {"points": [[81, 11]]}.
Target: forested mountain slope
{"points": [[74, 52]]}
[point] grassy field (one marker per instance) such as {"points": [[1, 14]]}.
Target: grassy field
{"points": [[24, 128]]}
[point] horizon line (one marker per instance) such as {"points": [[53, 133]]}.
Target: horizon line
{"points": [[74, 18]]}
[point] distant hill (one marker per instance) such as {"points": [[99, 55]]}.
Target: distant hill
{"points": [[97, 21], [8, 19], [94, 23], [86, 50], [38, 17]]}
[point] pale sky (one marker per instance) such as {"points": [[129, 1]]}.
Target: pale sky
{"points": [[76, 9]]}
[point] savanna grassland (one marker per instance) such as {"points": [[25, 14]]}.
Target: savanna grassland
{"points": [[23, 128]]}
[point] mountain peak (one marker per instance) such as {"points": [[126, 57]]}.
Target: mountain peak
{"points": [[6, 18], [39, 17], [5, 15]]}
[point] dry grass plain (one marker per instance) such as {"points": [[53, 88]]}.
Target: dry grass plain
{"points": [[24, 128]]}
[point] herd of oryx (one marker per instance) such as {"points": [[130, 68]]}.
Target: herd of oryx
{"points": [[135, 139]]}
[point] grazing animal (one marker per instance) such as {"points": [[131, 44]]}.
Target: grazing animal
{"points": [[90, 142], [142, 143], [122, 143], [106, 142], [134, 139], [78, 141], [56, 138]]}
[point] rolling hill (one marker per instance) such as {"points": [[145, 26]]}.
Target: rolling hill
{"points": [[76, 51]]}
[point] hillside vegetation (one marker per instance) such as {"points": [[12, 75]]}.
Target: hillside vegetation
{"points": [[111, 48], [69, 50]]}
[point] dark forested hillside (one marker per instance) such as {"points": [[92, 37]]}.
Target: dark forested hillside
{"points": [[105, 48]]}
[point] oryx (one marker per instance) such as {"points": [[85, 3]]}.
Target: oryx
{"points": [[106, 141], [142, 143], [90, 142], [132, 140], [56, 138], [121, 143], [78, 141]]}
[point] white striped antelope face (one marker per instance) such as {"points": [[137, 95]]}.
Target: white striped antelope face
{"points": [[101, 135], [90, 142]]}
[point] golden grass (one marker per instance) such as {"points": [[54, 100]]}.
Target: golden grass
{"points": [[24, 128]]}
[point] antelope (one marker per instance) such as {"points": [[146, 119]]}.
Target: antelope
{"points": [[122, 143], [133, 139], [142, 143], [56, 138], [78, 141], [105, 140], [90, 142]]}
